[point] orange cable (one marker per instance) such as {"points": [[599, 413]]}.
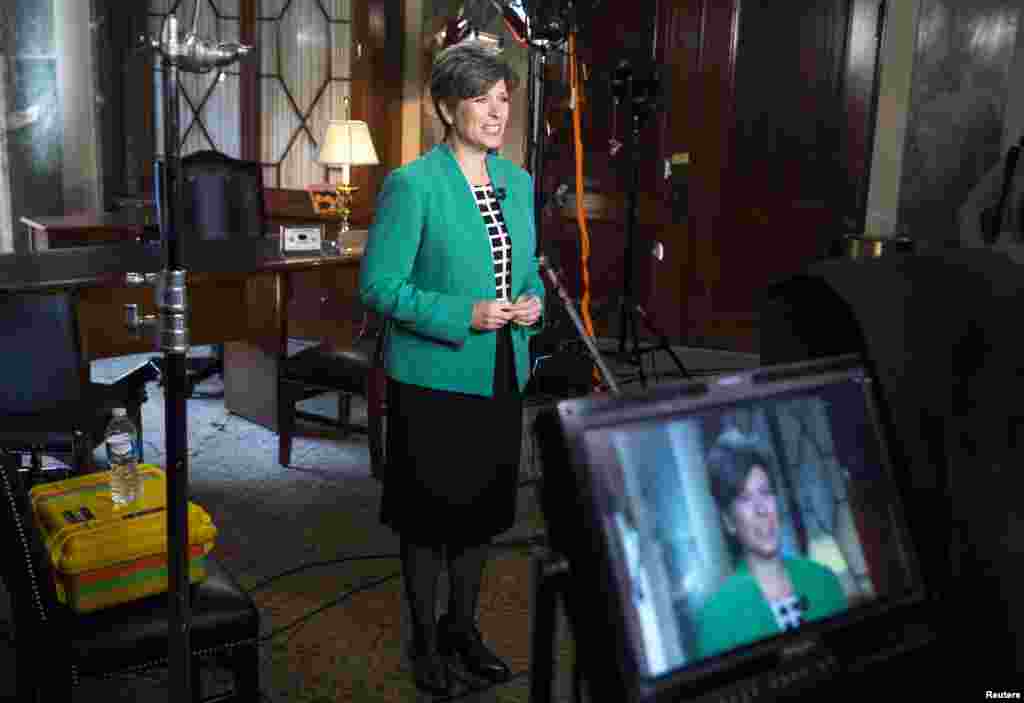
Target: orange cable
{"points": [[576, 102]]}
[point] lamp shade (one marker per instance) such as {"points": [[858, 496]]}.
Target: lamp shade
{"points": [[348, 142]]}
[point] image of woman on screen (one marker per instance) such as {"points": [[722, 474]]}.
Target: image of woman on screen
{"points": [[768, 593]]}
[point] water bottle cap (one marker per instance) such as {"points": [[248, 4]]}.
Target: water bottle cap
{"points": [[120, 412]]}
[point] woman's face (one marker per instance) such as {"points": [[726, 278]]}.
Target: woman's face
{"points": [[753, 519], [479, 123]]}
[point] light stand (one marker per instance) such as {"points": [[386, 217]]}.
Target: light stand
{"points": [[545, 27], [535, 139], [639, 103], [193, 55]]}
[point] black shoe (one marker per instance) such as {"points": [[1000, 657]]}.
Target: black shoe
{"points": [[430, 672], [467, 646]]}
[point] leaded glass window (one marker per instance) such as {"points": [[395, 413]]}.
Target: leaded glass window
{"points": [[304, 50], [210, 115], [305, 75]]}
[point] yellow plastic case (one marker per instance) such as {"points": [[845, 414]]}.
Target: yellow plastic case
{"points": [[102, 555]]}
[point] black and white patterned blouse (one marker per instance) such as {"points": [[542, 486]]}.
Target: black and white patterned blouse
{"points": [[501, 242], [789, 612]]}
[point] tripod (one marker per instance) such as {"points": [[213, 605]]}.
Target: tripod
{"points": [[639, 96]]}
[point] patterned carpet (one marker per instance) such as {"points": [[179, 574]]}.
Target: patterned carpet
{"points": [[306, 542]]}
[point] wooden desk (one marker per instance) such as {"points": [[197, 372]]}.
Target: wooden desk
{"points": [[241, 300], [88, 228], [308, 302], [283, 207]]}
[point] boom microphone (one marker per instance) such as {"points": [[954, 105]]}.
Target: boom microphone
{"points": [[191, 53]]}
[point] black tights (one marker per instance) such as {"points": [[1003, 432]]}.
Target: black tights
{"points": [[421, 568]]}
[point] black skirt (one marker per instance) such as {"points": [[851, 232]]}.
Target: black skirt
{"points": [[453, 458]]}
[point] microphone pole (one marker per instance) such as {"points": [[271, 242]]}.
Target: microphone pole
{"points": [[175, 348], [595, 353], [535, 145], [194, 55]]}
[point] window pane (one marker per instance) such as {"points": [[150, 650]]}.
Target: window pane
{"points": [[306, 60]]}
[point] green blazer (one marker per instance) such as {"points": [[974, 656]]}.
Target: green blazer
{"points": [[738, 613], [428, 260]]}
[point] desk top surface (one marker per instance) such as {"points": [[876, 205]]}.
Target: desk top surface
{"points": [[124, 219], [106, 265]]}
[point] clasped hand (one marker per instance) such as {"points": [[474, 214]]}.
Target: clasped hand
{"points": [[495, 314]]}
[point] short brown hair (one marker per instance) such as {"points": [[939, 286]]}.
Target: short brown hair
{"points": [[467, 70]]}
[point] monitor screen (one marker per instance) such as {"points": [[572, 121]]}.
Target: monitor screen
{"points": [[735, 517]]}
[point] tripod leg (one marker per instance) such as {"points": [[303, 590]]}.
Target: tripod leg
{"points": [[549, 576], [663, 341], [638, 357], [623, 325]]}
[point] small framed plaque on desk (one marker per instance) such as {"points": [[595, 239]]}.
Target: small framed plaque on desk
{"points": [[306, 239]]}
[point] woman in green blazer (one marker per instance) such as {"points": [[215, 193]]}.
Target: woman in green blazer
{"points": [[450, 262], [768, 593]]}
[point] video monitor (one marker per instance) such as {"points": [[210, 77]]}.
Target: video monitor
{"points": [[741, 534]]}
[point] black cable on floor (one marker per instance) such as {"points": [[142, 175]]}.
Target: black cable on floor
{"points": [[326, 606], [478, 691], [317, 564]]}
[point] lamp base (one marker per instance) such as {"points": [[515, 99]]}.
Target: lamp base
{"points": [[345, 193]]}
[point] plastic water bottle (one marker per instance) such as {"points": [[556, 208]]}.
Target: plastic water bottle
{"points": [[122, 440]]}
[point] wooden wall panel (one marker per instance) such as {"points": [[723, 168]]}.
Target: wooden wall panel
{"points": [[711, 144], [779, 158], [249, 84], [679, 43]]}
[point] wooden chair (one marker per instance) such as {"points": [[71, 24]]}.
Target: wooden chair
{"points": [[57, 648], [350, 371]]}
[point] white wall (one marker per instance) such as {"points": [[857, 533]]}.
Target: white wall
{"points": [[76, 81], [1013, 123], [895, 80], [6, 223]]}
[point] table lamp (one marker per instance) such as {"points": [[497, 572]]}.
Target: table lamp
{"points": [[347, 143]]}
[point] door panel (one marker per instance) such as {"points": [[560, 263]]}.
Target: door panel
{"points": [[781, 150]]}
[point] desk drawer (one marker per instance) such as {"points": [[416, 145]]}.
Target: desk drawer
{"points": [[321, 304], [216, 314]]}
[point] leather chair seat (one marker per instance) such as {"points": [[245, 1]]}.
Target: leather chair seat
{"points": [[221, 613], [338, 368], [322, 369], [55, 647]]}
